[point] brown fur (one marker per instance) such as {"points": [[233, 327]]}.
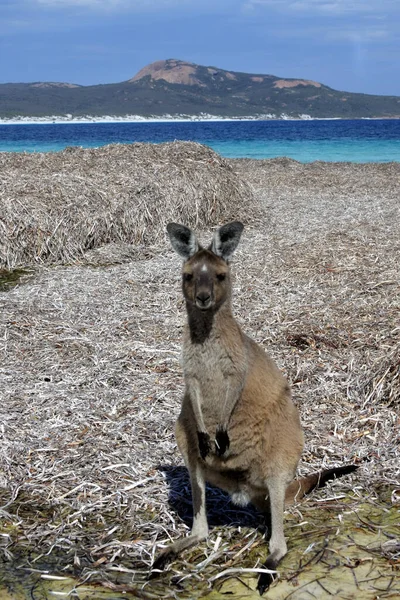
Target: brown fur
{"points": [[238, 428]]}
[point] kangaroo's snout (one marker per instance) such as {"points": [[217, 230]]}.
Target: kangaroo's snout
{"points": [[203, 299]]}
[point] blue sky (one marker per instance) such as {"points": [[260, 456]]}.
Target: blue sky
{"points": [[351, 45]]}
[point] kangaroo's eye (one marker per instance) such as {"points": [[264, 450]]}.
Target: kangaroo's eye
{"points": [[221, 276], [188, 276]]}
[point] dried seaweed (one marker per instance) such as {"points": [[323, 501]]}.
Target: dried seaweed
{"points": [[54, 207], [90, 381]]}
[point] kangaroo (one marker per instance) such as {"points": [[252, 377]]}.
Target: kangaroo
{"points": [[238, 428]]}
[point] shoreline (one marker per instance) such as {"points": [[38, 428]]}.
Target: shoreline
{"points": [[112, 119], [229, 145]]}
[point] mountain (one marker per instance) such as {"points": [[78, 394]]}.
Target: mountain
{"points": [[177, 87]]}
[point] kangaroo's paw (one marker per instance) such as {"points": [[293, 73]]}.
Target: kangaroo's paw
{"points": [[204, 444], [162, 560], [266, 579], [222, 441]]}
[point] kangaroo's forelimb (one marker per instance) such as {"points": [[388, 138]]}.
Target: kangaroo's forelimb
{"points": [[233, 388]]}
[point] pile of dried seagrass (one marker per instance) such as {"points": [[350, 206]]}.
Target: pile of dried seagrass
{"points": [[90, 380]]}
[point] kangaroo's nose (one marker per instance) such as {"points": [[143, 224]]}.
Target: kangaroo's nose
{"points": [[203, 299]]}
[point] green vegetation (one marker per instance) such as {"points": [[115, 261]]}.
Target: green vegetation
{"points": [[213, 91], [342, 548], [9, 278]]}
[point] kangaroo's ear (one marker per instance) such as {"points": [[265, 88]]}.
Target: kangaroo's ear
{"points": [[226, 239], [183, 240]]}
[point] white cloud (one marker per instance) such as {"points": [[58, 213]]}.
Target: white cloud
{"points": [[89, 3], [329, 7], [356, 21], [129, 5], [357, 35]]}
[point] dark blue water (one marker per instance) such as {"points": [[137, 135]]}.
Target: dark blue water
{"points": [[337, 140]]}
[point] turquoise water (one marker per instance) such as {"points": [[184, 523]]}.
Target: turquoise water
{"points": [[360, 151], [305, 141]]}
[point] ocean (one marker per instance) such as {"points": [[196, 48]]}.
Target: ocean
{"points": [[306, 141]]}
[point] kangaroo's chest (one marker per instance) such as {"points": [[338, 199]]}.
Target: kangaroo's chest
{"points": [[209, 363], [210, 367]]}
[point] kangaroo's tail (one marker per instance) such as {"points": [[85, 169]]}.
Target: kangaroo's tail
{"points": [[300, 487]]}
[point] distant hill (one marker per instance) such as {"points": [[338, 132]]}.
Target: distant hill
{"points": [[177, 87]]}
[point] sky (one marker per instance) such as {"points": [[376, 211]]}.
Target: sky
{"points": [[350, 45]]}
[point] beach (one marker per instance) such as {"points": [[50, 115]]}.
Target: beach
{"points": [[91, 481], [49, 119]]}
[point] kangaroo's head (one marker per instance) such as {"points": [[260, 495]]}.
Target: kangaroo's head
{"points": [[206, 280]]}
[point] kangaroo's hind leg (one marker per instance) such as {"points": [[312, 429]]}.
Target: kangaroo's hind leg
{"points": [[276, 486], [197, 480]]}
